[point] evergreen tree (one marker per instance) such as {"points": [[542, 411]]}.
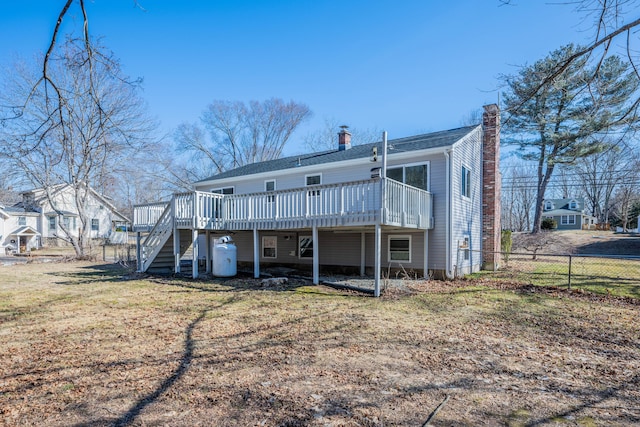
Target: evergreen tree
{"points": [[560, 120]]}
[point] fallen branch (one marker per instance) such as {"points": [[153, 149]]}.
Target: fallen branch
{"points": [[435, 411]]}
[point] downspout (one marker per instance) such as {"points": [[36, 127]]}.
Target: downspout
{"points": [[448, 155]]}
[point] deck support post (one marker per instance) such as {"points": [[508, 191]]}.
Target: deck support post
{"points": [[378, 248], [176, 239], [139, 251], [363, 255], [425, 252], [316, 255], [256, 254], [194, 253], [207, 250]]}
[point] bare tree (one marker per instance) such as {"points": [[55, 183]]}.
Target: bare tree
{"points": [[236, 134], [77, 133], [518, 195], [326, 139], [599, 175], [624, 199]]}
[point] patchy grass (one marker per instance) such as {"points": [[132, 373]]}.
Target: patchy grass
{"points": [[83, 346], [609, 276]]}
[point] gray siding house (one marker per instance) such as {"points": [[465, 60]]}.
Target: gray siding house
{"points": [[427, 203], [568, 214]]}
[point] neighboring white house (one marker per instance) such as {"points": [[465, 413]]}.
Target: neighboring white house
{"points": [[430, 204], [34, 222]]}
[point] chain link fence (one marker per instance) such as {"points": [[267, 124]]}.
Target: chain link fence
{"points": [[121, 252], [606, 274]]}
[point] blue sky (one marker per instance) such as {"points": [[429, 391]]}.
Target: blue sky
{"points": [[403, 66]]}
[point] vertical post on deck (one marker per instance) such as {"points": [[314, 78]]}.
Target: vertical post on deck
{"points": [[363, 255], [383, 180], [256, 254], [425, 251], [378, 246], [176, 239], [194, 254], [139, 251], [316, 255]]}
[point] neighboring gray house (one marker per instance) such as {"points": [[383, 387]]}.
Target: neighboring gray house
{"points": [[418, 207], [569, 214]]}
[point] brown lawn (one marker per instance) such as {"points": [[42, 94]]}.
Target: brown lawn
{"points": [[81, 345]]}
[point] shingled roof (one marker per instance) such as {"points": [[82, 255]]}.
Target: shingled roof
{"points": [[412, 143]]}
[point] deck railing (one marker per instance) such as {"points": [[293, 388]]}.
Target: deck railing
{"points": [[146, 216], [352, 203]]}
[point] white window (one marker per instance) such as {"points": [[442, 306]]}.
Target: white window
{"points": [[414, 175], [573, 205], [311, 180], [22, 220], [95, 224], [225, 190], [270, 186], [52, 223], [269, 246], [305, 247], [399, 249], [69, 222], [465, 180], [466, 247], [548, 205], [568, 219]]}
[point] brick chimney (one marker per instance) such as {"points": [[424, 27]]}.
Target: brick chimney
{"points": [[491, 181], [344, 139]]}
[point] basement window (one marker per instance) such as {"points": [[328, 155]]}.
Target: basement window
{"points": [[269, 247], [305, 247], [399, 249]]}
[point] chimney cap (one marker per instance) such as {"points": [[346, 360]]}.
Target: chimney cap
{"points": [[344, 128]]}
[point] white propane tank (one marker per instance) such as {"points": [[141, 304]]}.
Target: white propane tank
{"points": [[224, 257]]}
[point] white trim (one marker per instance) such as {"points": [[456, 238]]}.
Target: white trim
{"points": [[267, 181], [275, 240], [391, 237], [448, 155]]}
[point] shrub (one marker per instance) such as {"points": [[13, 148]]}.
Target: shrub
{"points": [[505, 243], [548, 224]]}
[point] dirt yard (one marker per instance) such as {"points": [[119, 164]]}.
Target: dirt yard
{"points": [[83, 345]]}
